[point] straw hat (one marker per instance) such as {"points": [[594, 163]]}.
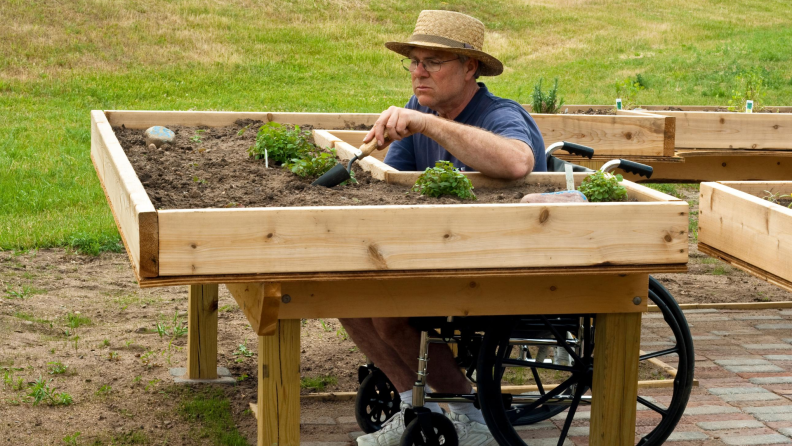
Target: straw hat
{"points": [[453, 32]]}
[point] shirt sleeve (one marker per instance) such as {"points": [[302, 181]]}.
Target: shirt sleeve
{"points": [[511, 123], [401, 155]]}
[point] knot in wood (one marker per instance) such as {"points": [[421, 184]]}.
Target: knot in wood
{"points": [[667, 238], [628, 135], [553, 288], [544, 215]]}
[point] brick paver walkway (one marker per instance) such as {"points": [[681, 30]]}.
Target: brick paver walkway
{"points": [[743, 364]]}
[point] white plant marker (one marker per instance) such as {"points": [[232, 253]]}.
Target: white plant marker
{"points": [[749, 106], [618, 104], [570, 179], [266, 159]]}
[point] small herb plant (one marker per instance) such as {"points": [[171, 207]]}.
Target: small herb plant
{"points": [[313, 163], [599, 187], [776, 197], [627, 90], [750, 86], [444, 179], [546, 103], [280, 143]]}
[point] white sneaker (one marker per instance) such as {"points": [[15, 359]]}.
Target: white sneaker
{"points": [[471, 433], [391, 432]]}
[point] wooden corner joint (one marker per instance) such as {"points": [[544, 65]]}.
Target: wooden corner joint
{"points": [[260, 302]]}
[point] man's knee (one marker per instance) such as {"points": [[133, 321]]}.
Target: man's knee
{"points": [[392, 329]]}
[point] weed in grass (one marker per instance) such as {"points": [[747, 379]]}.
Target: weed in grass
{"points": [[709, 261], [750, 85], [175, 327], [342, 333], [41, 391], [105, 343], [666, 188], [242, 377], [693, 225], [720, 270], [211, 410], [318, 383], [71, 440], [113, 356], [627, 90], [57, 368], [31, 318], [76, 320], [104, 390], [243, 351], [22, 292], [94, 244], [546, 103]]}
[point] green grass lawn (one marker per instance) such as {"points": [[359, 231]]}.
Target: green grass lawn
{"points": [[60, 60]]}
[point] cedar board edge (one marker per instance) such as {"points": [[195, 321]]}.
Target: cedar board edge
{"points": [[755, 271], [402, 274]]}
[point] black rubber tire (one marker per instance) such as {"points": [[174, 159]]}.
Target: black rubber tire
{"points": [[497, 416], [377, 400], [444, 427]]}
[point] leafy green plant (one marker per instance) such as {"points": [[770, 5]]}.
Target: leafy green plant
{"points": [[600, 186], [56, 368], [280, 143], [74, 320], [197, 137], [627, 89], [104, 390], [546, 103], [313, 163], [750, 86], [21, 292], [71, 440], [176, 328], [444, 179], [41, 391], [95, 244]]}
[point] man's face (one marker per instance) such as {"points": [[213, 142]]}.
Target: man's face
{"points": [[441, 88]]}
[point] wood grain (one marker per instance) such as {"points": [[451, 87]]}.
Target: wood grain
{"points": [[614, 385], [144, 119], [260, 302], [746, 227], [753, 270], [721, 167], [279, 386], [368, 238], [202, 332], [465, 296], [135, 216]]}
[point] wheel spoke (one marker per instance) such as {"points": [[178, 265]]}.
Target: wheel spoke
{"points": [[560, 388], [535, 374], [561, 340], [653, 406], [541, 365], [571, 415], [658, 353]]}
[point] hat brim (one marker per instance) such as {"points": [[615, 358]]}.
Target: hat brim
{"points": [[488, 65]]}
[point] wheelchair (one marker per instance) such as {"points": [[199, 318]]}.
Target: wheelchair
{"points": [[553, 352]]}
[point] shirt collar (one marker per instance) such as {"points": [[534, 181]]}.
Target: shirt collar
{"points": [[474, 103]]}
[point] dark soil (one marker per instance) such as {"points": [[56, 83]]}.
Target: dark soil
{"points": [[786, 202], [209, 167], [592, 111]]}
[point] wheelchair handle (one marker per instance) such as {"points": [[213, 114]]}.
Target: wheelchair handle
{"points": [[574, 149], [628, 166]]}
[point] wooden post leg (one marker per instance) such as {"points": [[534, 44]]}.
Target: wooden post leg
{"points": [[279, 386], [614, 390], [202, 332]]}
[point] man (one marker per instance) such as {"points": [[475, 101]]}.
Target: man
{"points": [[450, 117]]}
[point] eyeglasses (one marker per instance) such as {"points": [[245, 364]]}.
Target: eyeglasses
{"points": [[429, 65]]}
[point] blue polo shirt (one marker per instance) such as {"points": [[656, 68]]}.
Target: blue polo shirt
{"points": [[503, 117]]}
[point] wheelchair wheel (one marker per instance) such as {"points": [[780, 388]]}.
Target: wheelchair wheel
{"points": [[414, 435], [377, 400], [656, 420]]}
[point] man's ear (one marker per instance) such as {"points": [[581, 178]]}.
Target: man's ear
{"points": [[471, 66]]}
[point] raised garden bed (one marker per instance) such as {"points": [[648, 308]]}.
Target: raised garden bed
{"points": [[221, 245], [753, 234]]}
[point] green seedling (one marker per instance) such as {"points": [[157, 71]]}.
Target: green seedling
{"points": [[342, 333], [444, 179], [599, 187], [113, 356], [56, 368], [152, 384], [776, 197], [71, 440], [243, 351], [750, 86], [197, 137], [242, 378], [41, 391], [104, 390], [628, 89], [74, 320], [546, 103], [313, 163], [105, 343], [22, 292], [325, 327]]}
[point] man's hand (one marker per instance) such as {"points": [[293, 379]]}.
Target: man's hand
{"points": [[398, 123]]}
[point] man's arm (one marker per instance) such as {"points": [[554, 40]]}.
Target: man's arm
{"points": [[490, 154]]}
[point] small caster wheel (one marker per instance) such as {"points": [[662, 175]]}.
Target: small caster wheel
{"points": [[377, 400], [444, 432]]}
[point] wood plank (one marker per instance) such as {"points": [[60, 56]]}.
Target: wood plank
{"points": [[346, 151], [403, 274], [135, 216], [143, 119], [734, 305], [279, 386], [614, 384], [730, 130], [202, 332], [657, 108], [724, 167], [465, 296], [760, 189], [370, 238], [754, 271], [746, 227], [260, 302]]}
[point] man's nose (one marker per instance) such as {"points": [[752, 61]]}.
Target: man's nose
{"points": [[420, 71]]}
